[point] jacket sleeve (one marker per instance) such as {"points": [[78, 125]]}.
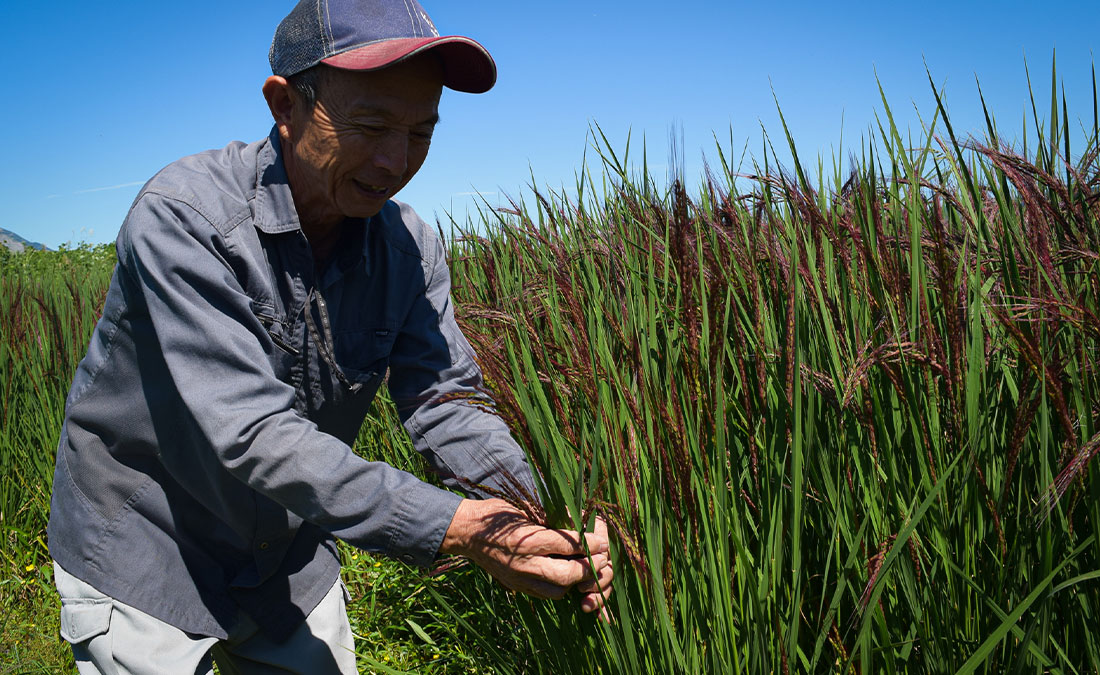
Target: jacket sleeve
{"points": [[437, 387], [213, 348]]}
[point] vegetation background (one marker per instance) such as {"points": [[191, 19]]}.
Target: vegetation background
{"points": [[842, 418]]}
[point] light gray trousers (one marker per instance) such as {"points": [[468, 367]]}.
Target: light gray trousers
{"points": [[112, 638]]}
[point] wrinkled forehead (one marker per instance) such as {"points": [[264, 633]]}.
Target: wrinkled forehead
{"points": [[409, 92]]}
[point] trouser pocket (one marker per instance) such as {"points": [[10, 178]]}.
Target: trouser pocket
{"points": [[85, 622], [85, 612], [84, 619], [109, 637]]}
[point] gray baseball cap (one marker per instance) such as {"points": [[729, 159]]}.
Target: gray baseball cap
{"points": [[373, 34]]}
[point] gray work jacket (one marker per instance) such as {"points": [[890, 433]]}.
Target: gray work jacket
{"points": [[205, 465]]}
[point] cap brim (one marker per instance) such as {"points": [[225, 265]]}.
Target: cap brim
{"points": [[467, 66]]}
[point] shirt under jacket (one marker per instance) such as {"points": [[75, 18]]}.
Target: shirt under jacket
{"points": [[204, 466]]}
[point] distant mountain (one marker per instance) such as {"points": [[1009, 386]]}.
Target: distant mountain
{"points": [[15, 243]]}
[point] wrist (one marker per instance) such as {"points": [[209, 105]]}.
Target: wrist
{"points": [[456, 540]]}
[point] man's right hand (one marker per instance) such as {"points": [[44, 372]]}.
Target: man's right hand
{"points": [[529, 558]]}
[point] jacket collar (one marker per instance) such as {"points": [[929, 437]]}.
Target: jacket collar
{"points": [[275, 212]]}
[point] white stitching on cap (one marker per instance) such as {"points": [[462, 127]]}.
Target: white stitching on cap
{"points": [[412, 19], [326, 38], [428, 22]]}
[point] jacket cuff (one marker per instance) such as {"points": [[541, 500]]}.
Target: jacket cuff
{"points": [[420, 523]]}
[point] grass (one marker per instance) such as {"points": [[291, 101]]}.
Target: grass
{"points": [[840, 421], [29, 640]]}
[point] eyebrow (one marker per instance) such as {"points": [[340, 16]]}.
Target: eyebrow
{"points": [[433, 120]]}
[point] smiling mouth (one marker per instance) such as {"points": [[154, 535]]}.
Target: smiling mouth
{"points": [[373, 190]]}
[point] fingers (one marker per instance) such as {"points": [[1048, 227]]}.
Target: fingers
{"points": [[597, 539], [497, 523], [540, 576], [546, 578], [536, 540], [529, 558], [554, 578], [587, 575], [563, 572], [525, 538], [601, 578], [590, 602], [595, 591]]}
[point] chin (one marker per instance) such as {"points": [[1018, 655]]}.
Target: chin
{"points": [[363, 209]]}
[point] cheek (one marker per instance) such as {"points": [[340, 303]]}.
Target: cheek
{"points": [[324, 158], [418, 152], [348, 151], [347, 167]]}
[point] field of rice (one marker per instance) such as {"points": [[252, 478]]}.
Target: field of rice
{"points": [[839, 421]]}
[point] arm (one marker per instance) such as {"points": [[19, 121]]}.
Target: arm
{"points": [[240, 415], [437, 387]]}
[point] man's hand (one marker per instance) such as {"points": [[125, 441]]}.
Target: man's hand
{"points": [[596, 591], [529, 558]]}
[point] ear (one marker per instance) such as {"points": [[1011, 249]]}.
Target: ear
{"points": [[281, 100]]}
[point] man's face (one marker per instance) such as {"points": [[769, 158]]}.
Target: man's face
{"points": [[362, 141]]}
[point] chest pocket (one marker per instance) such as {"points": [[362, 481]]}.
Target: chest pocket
{"points": [[364, 354], [285, 350]]}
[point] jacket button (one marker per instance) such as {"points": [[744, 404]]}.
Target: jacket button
{"points": [[264, 545]]}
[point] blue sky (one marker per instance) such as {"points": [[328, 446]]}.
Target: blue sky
{"points": [[102, 95]]}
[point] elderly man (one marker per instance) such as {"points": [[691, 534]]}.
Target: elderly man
{"points": [[261, 294]]}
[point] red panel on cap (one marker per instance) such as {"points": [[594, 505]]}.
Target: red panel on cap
{"points": [[467, 65]]}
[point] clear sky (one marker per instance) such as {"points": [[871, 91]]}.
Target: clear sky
{"points": [[100, 95]]}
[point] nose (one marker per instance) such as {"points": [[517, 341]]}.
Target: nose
{"points": [[392, 154]]}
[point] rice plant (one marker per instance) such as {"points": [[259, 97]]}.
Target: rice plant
{"points": [[839, 425]]}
